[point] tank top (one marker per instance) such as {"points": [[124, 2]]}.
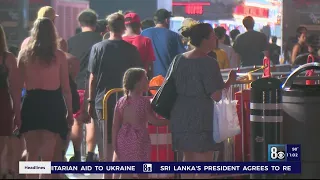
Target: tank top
{"points": [[302, 49]]}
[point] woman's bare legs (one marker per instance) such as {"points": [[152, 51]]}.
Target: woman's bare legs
{"points": [[40, 143], [188, 157], [197, 157], [49, 141], [33, 145], [203, 157], [14, 152], [57, 155], [76, 137]]}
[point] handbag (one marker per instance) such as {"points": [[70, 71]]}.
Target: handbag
{"points": [[225, 118], [166, 96]]}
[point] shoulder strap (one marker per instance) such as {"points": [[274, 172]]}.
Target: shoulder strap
{"points": [[174, 66]]}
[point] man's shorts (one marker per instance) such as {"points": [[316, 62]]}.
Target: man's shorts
{"points": [[100, 123], [82, 104]]}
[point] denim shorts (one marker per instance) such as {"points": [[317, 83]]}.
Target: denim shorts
{"points": [[100, 127]]}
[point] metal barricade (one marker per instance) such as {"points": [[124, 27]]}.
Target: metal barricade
{"points": [[107, 148]]}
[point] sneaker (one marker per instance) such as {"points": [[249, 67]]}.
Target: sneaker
{"points": [[94, 159], [74, 159]]}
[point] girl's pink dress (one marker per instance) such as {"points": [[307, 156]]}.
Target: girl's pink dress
{"points": [[133, 141]]}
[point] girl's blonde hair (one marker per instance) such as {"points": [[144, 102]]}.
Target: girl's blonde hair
{"points": [[43, 42], [131, 77]]}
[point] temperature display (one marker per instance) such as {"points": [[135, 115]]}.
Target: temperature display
{"points": [[283, 152]]}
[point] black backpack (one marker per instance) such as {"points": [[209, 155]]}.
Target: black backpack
{"points": [[75, 96]]}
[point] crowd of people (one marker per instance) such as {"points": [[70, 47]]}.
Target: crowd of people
{"points": [[65, 82]]}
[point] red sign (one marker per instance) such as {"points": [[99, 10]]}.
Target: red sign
{"points": [[252, 11], [192, 8]]}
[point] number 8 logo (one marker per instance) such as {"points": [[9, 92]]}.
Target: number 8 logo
{"points": [[145, 168], [274, 153]]}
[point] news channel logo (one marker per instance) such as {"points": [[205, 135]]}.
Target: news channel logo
{"points": [[147, 168], [277, 152]]}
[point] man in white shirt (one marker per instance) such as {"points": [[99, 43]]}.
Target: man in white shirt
{"points": [[232, 55]]}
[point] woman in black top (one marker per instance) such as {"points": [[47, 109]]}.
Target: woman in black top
{"points": [[300, 47], [313, 49]]}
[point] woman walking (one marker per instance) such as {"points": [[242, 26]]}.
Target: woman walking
{"points": [[47, 106], [198, 81]]}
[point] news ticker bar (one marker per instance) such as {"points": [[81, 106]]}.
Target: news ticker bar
{"points": [[43, 167]]}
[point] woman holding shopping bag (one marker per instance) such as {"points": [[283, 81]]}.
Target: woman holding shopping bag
{"points": [[198, 80]]}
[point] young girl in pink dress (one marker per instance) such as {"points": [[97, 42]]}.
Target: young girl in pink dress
{"points": [[130, 136]]}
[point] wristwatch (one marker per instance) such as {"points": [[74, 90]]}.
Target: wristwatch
{"points": [[90, 101]]}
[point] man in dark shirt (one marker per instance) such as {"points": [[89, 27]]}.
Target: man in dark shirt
{"points": [[274, 51], [80, 47], [108, 62], [251, 45]]}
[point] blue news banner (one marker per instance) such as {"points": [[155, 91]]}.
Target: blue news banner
{"points": [[282, 158], [181, 167]]}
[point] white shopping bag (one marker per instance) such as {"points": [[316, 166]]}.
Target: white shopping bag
{"points": [[225, 118]]}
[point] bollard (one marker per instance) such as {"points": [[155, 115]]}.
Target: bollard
{"points": [[301, 122], [311, 71], [242, 141], [266, 65], [265, 120]]}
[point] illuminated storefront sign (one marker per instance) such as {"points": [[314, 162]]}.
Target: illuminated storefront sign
{"points": [[192, 8], [244, 10], [205, 9]]}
